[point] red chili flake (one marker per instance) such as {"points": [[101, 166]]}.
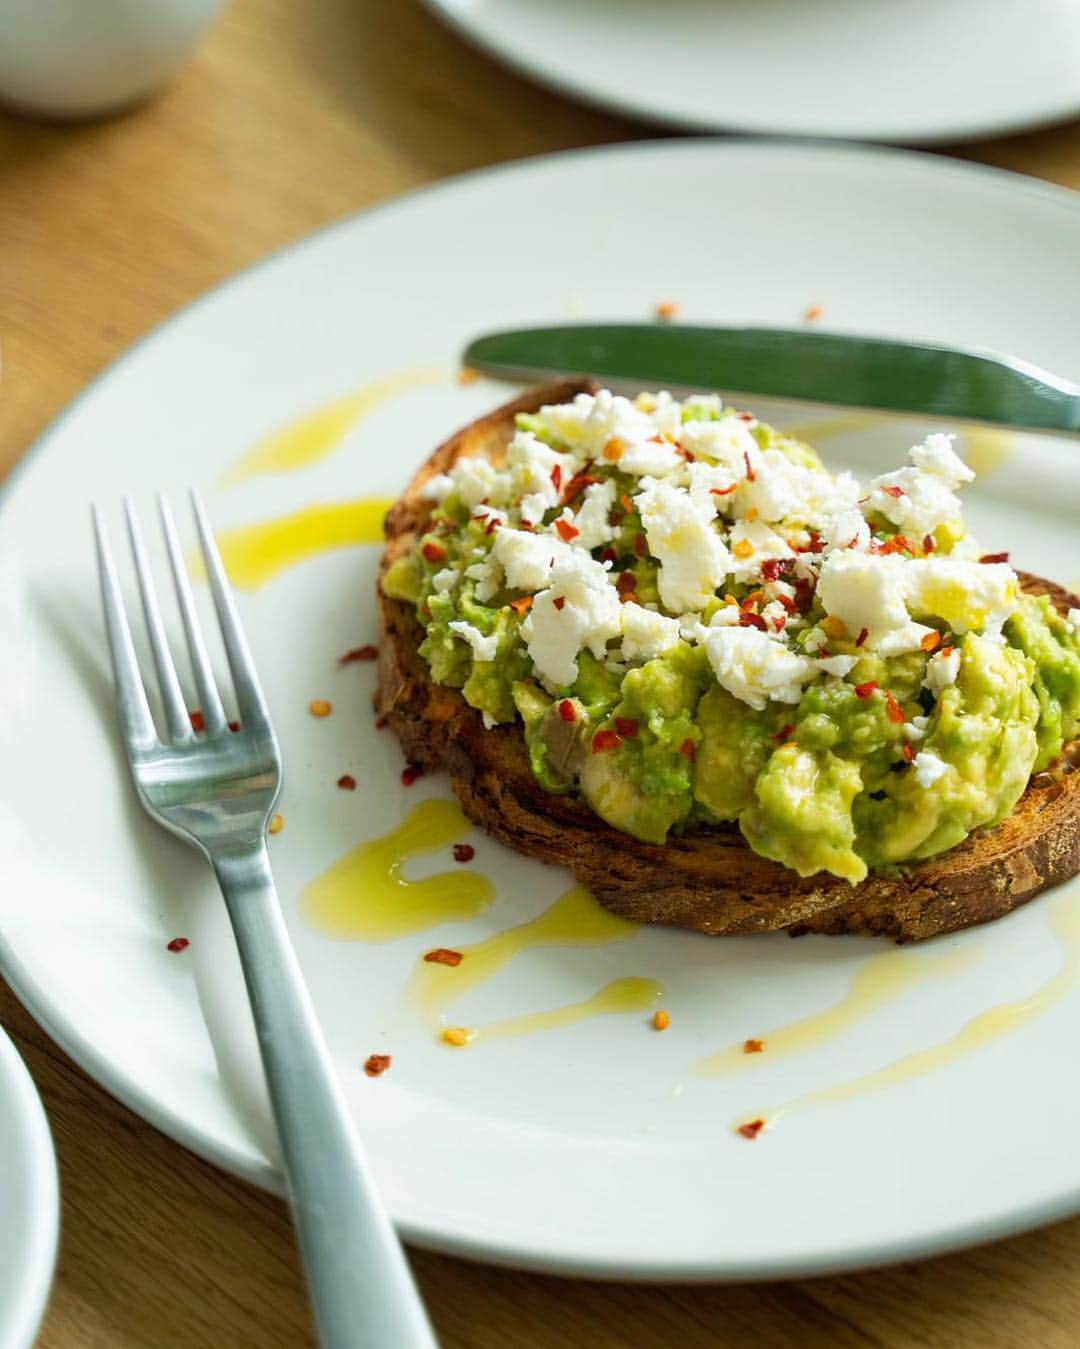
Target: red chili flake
{"points": [[815, 545], [688, 750], [686, 454], [770, 569], [433, 552], [866, 690], [567, 710], [627, 727], [994, 557], [946, 651], [640, 546], [178, 944], [931, 641], [464, 852], [234, 726], [745, 416], [578, 483], [625, 582], [779, 622], [748, 619], [347, 782], [608, 555], [908, 751], [410, 773], [750, 474], [863, 634], [523, 605], [804, 594], [359, 653], [376, 1064], [559, 601], [198, 721], [786, 602], [753, 1046], [723, 491], [565, 530], [895, 492], [898, 544], [443, 955], [929, 543], [556, 477], [751, 1129], [380, 723], [893, 710], [605, 740], [783, 733], [492, 525]]}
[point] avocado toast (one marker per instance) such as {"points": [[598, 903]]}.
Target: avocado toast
{"points": [[657, 643]]}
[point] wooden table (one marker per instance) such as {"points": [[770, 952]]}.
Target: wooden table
{"points": [[290, 115]]}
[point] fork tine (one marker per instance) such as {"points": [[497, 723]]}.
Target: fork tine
{"points": [[136, 723], [249, 695], [209, 699], [176, 713]]}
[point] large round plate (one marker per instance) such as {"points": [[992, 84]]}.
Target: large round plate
{"points": [[594, 1148], [29, 1207], [932, 70]]}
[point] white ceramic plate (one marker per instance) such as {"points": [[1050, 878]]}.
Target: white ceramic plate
{"points": [[591, 1149], [29, 1208], [931, 70]]}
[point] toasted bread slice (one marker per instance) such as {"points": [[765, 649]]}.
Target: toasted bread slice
{"points": [[709, 879]]}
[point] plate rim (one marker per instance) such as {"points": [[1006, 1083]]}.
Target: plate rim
{"points": [[94, 1062], [42, 1243], [543, 77]]}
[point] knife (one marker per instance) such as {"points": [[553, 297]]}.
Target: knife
{"points": [[810, 367]]}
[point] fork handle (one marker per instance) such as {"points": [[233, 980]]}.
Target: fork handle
{"points": [[360, 1284]]}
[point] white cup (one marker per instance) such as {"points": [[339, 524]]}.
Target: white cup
{"points": [[77, 58]]}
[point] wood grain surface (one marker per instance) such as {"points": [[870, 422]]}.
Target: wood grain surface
{"points": [[289, 116]]}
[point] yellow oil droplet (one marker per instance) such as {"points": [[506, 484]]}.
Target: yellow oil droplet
{"points": [[365, 896], [623, 995], [255, 554], [981, 1030], [880, 980], [316, 434], [985, 449], [575, 919], [827, 427]]}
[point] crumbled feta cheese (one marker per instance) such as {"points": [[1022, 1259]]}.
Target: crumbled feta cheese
{"points": [[591, 520], [977, 596], [1073, 617], [838, 665], [867, 591], [475, 479], [445, 580], [755, 668], [814, 640], [936, 455], [914, 501], [652, 458], [487, 576], [726, 442], [845, 529], [591, 420], [646, 634], [710, 486], [580, 608], [436, 487], [941, 671], [534, 507], [532, 465], [928, 768], [483, 648], [692, 556], [727, 616], [526, 558]]}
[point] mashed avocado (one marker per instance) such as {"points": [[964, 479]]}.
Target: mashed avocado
{"points": [[697, 625]]}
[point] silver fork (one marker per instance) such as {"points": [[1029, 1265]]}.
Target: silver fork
{"points": [[216, 790]]}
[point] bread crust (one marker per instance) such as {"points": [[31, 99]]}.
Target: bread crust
{"points": [[707, 880]]}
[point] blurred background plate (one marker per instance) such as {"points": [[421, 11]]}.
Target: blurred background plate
{"points": [[924, 71], [594, 1148], [29, 1209]]}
